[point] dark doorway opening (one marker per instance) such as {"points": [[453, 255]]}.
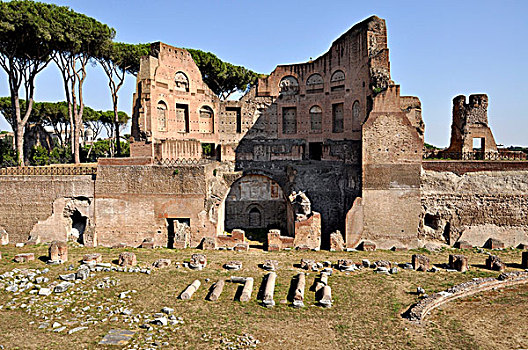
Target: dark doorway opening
{"points": [[176, 229], [315, 150], [78, 226]]}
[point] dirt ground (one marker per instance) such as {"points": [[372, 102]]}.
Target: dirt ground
{"points": [[366, 312]]}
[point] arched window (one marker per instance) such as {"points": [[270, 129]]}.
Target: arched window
{"points": [[338, 76], [289, 85], [355, 110], [316, 119], [162, 116], [206, 119], [182, 82], [337, 81], [314, 83]]}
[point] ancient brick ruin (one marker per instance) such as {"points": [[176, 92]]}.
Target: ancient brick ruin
{"points": [[313, 149]]}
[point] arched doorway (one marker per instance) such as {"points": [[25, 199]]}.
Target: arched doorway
{"points": [[256, 204]]}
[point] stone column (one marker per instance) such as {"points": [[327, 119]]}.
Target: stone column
{"points": [[298, 298], [57, 252], [326, 298], [269, 289], [189, 291], [217, 289], [323, 281], [247, 290]]}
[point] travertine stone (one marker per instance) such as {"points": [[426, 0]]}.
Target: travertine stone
{"points": [[161, 263], [247, 290], [92, 258], [420, 262], [269, 289], [208, 243], [326, 297], [127, 259], [24, 257], [270, 265], [198, 261], [189, 291], [58, 252], [337, 244], [308, 264], [216, 290], [298, 297]]}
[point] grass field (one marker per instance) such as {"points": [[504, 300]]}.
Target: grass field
{"points": [[366, 313]]}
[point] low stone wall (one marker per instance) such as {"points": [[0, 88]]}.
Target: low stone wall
{"points": [[474, 207], [419, 311]]}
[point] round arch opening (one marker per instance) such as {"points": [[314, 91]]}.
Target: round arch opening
{"points": [[257, 204]]}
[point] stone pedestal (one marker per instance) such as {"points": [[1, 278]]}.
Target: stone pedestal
{"points": [[458, 262], [493, 262], [58, 252], [420, 262], [127, 259], [93, 258], [308, 264], [198, 261]]}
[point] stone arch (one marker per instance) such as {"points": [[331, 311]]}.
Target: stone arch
{"points": [[182, 82], [257, 203], [162, 115], [338, 76], [314, 83], [289, 85]]}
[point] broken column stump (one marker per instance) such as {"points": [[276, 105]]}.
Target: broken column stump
{"points": [[524, 261], [493, 262], [198, 262], [308, 264], [269, 289], [298, 297], [4, 237], [323, 281], [24, 257], [420, 262], [189, 291], [127, 259], [162, 263], [270, 265], [458, 262], [93, 258], [247, 290], [337, 244], [57, 252], [216, 290], [326, 296]]}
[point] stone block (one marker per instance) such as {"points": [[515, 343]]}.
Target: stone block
{"points": [[493, 243], [524, 261], [273, 247], [238, 235], [420, 262], [399, 249], [24, 257], [337, 244], [241, 247], [148, 243], [493, 262], [233, 265], [161, 263], [303, 248], [270, 265], [127, 259], [367, 246], [208, 243], [93, 258], [463, 245], [4, 237], [58, 252], [383, 263], [346, 265], [458, 262], [308, 264]]}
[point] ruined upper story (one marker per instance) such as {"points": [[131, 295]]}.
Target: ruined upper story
{"points": [[323, 102]]}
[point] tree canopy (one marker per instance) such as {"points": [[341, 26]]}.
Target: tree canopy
{"points": [[222, 77]]}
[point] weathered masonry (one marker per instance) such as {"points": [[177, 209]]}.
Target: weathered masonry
{"points": [[314, 148]]}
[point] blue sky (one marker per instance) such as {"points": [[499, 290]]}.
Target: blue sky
{"points": [[438, 49]]}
